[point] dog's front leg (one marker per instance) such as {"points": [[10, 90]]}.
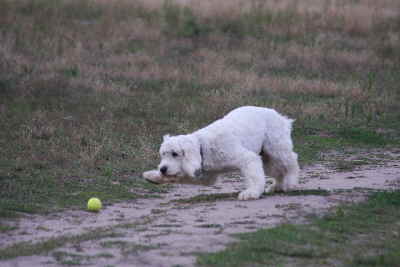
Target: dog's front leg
{"points": [[253, 173]]}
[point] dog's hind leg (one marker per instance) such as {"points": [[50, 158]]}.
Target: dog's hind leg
{"points": [[281, 163], [291, 176], [285, 169], [275, 179]]}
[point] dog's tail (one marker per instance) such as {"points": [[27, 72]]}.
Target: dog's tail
{"points": [[271, 184]]}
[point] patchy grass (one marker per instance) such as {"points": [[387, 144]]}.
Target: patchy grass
{"points": [[5, 228], [207, 198], [49, 194], [307, 192], [233, 196], [114, 243], [210, 225], [67, 258], [348, 165], [356, 235], [28, 248], [125, 247], [88, 87], [42, 247]]}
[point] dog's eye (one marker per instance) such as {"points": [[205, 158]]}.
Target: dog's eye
{"points": [[174, 154]]}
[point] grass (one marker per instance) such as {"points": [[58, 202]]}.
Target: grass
{"points": [[88, 87], [126, 247], [356, 235], [99, 233], [203, 198], [207, 198], [49, 194], [5, 228], [29, 248], [67, 258]]}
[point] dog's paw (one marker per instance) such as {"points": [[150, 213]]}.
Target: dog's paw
{"points": [[249, 194]]}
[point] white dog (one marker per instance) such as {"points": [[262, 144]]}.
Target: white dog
{"points": [[248, 139]]}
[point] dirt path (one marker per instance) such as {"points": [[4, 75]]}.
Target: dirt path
{"points": [[168, 231]]}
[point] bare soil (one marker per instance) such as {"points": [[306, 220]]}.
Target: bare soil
{"points": [[172, 229]]}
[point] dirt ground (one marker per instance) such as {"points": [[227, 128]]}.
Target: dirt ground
{"points": [[170, 230]]}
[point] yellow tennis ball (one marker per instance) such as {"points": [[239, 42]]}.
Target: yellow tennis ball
{"points": [[94, 204]]}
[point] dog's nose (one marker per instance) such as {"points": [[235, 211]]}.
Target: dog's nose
{"points": [[163, 170]]}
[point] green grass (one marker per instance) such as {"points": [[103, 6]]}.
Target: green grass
{"points": [[50, 194], [310, 142], [357, 235]]}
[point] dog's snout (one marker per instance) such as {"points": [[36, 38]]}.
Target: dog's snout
{"points": [[163, 169]]}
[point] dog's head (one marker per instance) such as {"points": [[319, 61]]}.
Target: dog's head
{"points": [[180, 156]]}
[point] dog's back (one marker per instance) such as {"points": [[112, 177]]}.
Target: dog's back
{"points": [[250, 126]]}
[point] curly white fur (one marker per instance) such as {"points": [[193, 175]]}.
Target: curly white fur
{"points": [[249, 139]]}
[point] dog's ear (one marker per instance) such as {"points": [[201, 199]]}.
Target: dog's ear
{"points": [[166, 137], [192, 158]]}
